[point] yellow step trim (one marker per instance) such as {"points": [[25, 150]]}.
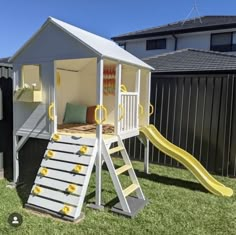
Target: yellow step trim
{"points": [[116, 149], [130, 189], [122, 169]]}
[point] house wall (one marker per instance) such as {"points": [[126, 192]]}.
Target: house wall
{"points": [[138, 48], [67, 91], [234, 38], [199, 40], [32, 118]]}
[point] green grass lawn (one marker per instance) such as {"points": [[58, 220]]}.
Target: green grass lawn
{"points": [[177, 205]]}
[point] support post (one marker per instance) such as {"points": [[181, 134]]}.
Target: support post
{"points": [[15, 160], [146, 150], [117, 98], [98, 163], [137, 89]]}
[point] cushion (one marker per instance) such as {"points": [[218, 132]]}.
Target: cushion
{"points": [[90, 115], [75, 113]]}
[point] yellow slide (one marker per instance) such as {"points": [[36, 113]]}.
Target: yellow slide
{"points": [[186, 159]]}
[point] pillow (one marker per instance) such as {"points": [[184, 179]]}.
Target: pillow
{"points": [[90, 115], [75, 113]]}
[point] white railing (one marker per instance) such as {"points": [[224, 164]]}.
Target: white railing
{"points": [[129, 116]]}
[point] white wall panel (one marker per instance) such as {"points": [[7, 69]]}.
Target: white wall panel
{"points": [[138, 48]]}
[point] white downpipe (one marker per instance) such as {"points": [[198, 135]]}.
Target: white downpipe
{"points": [[1, 105]]}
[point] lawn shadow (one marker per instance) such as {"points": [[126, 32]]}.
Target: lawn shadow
{"points": [[171, 181]]}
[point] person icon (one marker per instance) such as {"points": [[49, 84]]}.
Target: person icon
{"points": [[15, 220]]}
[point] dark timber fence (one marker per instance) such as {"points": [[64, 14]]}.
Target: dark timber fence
{"points": [[197, 113], [6, 124]]}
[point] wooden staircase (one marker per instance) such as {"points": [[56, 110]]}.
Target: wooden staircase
{"points": [[128, 205]]}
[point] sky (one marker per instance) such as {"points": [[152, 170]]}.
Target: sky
{"points": [[20, 19]]}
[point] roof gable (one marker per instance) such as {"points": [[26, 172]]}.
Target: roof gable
{"points": [[98, 45]]}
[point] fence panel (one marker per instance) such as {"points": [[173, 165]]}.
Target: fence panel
{"points": [[197, 113]]}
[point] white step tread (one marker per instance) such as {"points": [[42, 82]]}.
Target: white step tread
{"points": [[68, 148], [68, 157], [50, 204], [122, 169], [55, 184], [130, 189], [70, 139], [64, 166], [56, 195]]}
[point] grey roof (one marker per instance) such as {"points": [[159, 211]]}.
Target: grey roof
{"points": [[5, 68], [203, 23], [5, 60], [192, 60], [101, 46]]}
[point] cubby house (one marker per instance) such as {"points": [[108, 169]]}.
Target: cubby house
{"points": [[83, 93]]}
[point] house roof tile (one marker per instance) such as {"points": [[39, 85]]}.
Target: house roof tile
{"points": [[198, 24], [192, 60]]}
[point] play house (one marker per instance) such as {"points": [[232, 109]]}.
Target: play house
{"points": [[85, 95]]}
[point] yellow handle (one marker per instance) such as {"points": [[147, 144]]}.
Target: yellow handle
{"points": [[99, 122], [140, 109], [122, 112], [123, 88], [50, 115], [152, 109]]}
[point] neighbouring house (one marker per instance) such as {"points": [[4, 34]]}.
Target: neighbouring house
{"points": [[5, 118], [216, 33], [192, 90]]}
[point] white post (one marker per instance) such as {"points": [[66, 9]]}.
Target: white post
{"points": [[148, 94], [55, 97], [137, 89], [117, 98], [15, 160], [98, 203]]}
